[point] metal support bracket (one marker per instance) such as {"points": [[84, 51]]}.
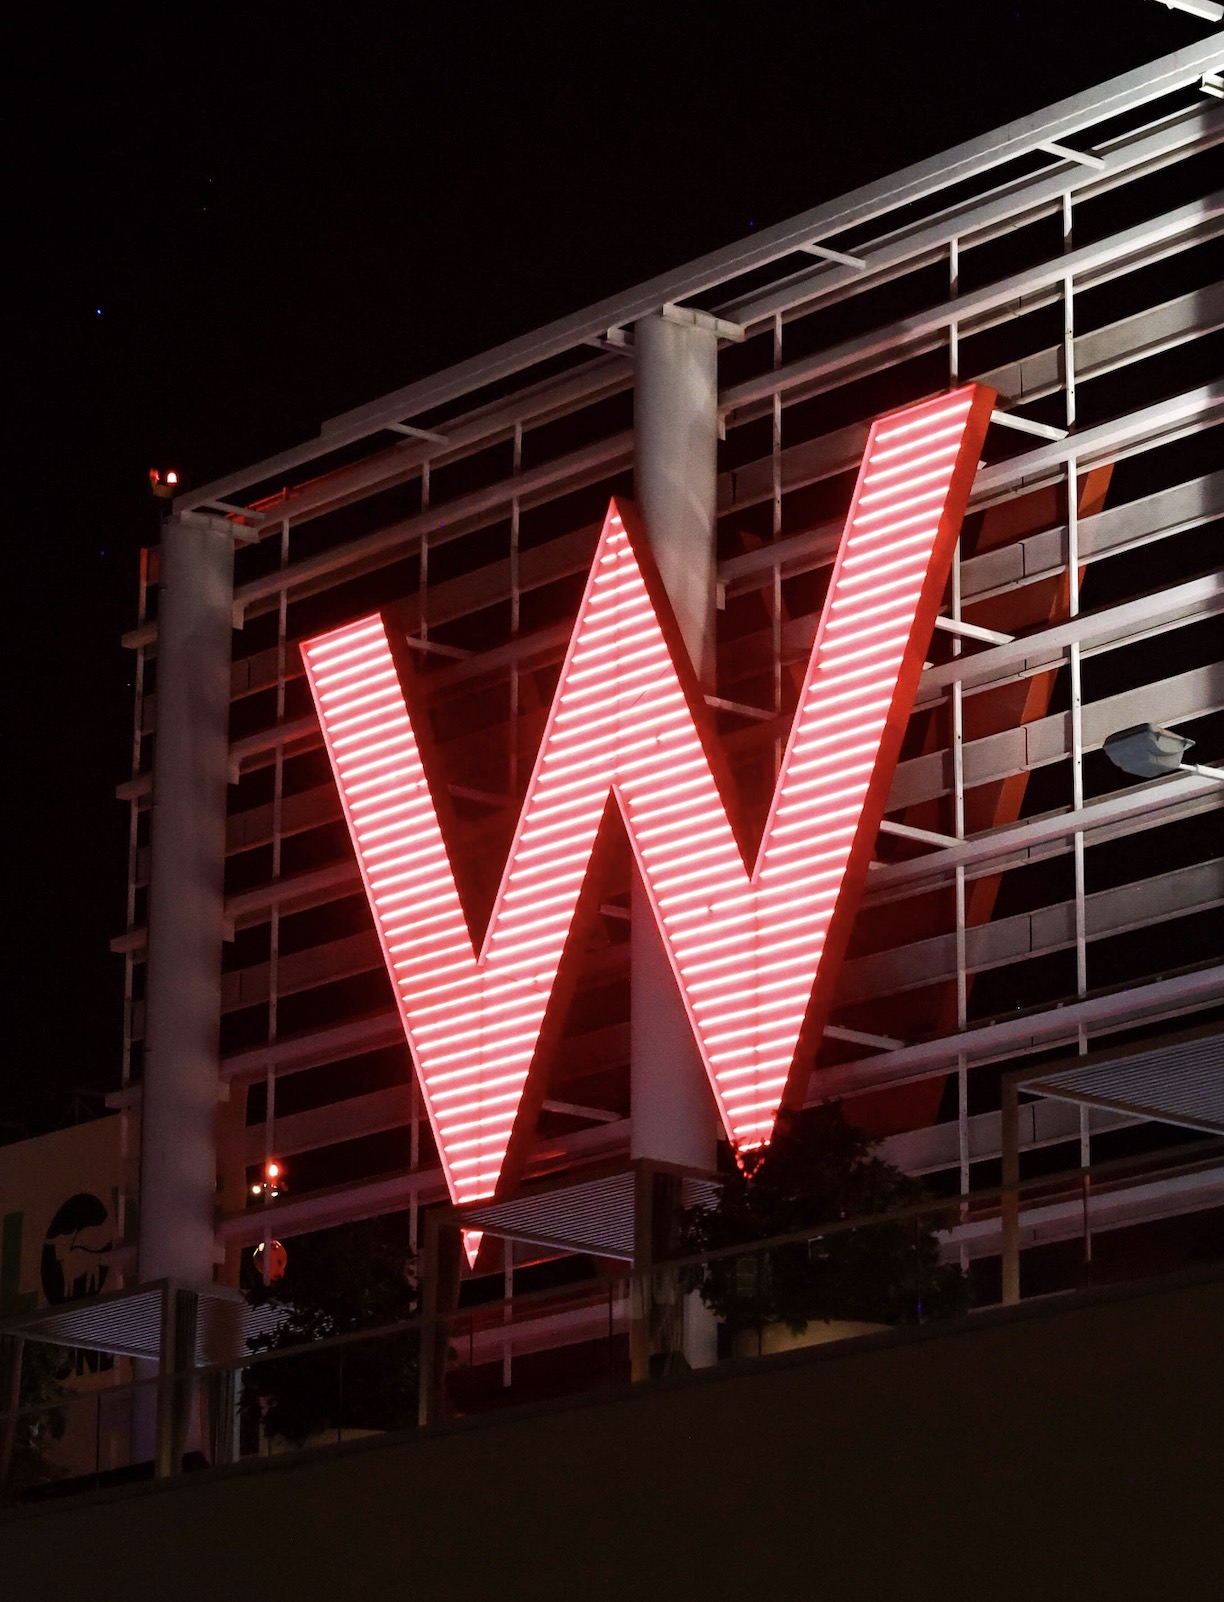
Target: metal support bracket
{"points": [[596, 1115], [488, 798], [412, 432], [454, 653], [973, 631], [862, 1037], [758, 714], [692, 317], [1025, 425], [827, 253], [907, 831], [1084, 157], [615, 341], [245, 534]]}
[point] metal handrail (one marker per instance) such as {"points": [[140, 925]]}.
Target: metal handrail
{"points": [[1111, 1175]]}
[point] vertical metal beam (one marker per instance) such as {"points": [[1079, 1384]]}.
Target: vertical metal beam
{"points": [[178, 1175], [1077, 696], [414, 1156], [958, 829], [515, 613], [508, 1313], [128, 1124], [1010, 1131], [414, 1225], [641, 1289], [775, 609], [278, 804], [953, 326], [11, 1350], [439, 1296], [179, 1317]]}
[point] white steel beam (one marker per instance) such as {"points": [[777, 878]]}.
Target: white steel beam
{"points": [[1113, 1010], [1147, 806], [1089, 263], [986, 217], [980, 156], [1004, 941], [1094, 631]]}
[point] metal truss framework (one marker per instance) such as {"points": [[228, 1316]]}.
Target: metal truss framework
{"points": [[1072, 287]]}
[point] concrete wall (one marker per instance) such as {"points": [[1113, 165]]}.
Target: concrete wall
{"points": [[1075, 1450]]}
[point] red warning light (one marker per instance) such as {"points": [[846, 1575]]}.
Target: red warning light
{"points": [[277, 1260]]}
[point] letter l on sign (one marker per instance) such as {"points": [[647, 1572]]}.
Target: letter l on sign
{"points": [[755, 947]]}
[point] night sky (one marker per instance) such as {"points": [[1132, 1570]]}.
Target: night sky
{"points": [[231, 224]]}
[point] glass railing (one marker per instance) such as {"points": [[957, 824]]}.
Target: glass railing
{"points": [[850, 1279]]}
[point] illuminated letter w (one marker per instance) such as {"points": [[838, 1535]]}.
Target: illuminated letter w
{"points": [[754, 950]]}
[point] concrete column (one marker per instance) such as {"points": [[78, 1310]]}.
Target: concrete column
{"points": [[675, 424], [178, 1158], [674, 1119]]}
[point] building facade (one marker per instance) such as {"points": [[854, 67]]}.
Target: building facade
{"points": [[1027, 904]]}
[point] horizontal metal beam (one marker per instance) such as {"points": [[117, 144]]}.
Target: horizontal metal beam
{"points": [[1023, 561], [1146, 806], [1045, 740], [1082, 264], [1042, 1124], [1111, 1011], [1199, 887], [1045, 1223], [370, 1198], [448, 520], [1006, 941], [992, 757], [813, 461], [984, 218], [1124, 812], [443, 521], [538, 402], [1059, 122], [1094, 632], [1107, 442]]}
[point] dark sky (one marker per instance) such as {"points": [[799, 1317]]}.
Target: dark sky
{"points": [[233, 223]]}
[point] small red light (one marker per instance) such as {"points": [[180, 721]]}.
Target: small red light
{"points": [[171, 478], [277, 1260], [273, 1170]]}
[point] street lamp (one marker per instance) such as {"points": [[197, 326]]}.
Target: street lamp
{"points": [[1148, 752]]}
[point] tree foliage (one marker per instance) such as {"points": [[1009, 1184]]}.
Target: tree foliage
{"points": [[358, 1277], [26, 1439], [817, 1170]]}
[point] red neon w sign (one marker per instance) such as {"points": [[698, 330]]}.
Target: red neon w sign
{"points": [[754, 951]]}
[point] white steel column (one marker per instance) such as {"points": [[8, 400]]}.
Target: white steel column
{"points": [[675, 441], [178, 1170], [674, 1119], [676, 445]]}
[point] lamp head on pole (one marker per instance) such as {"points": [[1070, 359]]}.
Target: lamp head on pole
{"points": [[1147, 751]]}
